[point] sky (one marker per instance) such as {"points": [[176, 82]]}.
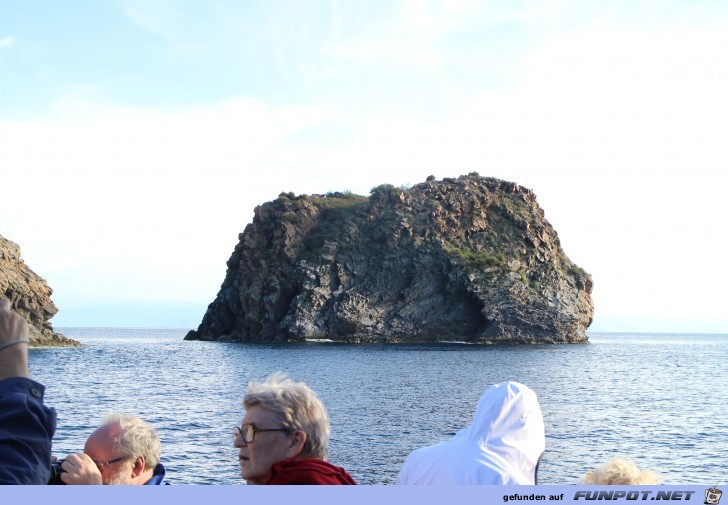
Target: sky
{"points": [[138, 136]]}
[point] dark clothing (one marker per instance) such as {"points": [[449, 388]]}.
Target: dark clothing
{"points": [[26, 429], [157, 476], [308, 471]]}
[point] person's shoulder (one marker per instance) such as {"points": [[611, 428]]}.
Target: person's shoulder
{"points": [[157, 477], [308, 471], [22, 385]]}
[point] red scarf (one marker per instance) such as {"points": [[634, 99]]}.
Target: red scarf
{"points": [[307, 471]]}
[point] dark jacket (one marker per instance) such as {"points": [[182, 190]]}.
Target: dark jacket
{"points": [[26, 429], [157, 476]]}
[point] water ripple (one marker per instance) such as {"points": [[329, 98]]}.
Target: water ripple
{"points": [[651, 397]]}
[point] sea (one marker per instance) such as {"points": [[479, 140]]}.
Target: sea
{"points": [[660, 399]]}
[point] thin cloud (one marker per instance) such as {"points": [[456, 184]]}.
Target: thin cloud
{"points": [[158, 16]]}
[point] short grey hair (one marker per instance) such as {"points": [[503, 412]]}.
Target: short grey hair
{"points": [[137, 438], [297, 407]]}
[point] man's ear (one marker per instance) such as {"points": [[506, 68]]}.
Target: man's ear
{"points": [[139, 466], [298, 439]]}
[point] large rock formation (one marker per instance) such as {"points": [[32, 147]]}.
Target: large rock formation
{"points": [[470, 259], [29, 296]]}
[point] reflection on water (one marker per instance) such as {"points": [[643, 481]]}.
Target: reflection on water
{"points": [[658, 398]]}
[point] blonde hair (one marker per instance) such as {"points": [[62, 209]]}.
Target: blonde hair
{"points": [[297, 407], [620, 471]]}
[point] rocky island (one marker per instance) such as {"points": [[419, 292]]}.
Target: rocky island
{"points": [[471, 259], [30, 296]]}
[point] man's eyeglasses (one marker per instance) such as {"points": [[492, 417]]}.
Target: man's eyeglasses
{"points": [[247, 432], [101, 466]]}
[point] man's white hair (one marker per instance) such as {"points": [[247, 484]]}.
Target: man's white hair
{"points": [[137, 438]]}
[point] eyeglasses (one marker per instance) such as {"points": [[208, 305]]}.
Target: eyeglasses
{"points": [[247, 432], [101, 466]]}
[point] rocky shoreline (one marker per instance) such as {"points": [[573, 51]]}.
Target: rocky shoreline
{"points": [[30, 296]]}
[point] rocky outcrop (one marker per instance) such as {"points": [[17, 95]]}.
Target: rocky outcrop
{"points": [[470, 259], [29, 296]]}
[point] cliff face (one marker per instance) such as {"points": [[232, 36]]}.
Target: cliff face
{"points": [[470, 259], [29, 296]]}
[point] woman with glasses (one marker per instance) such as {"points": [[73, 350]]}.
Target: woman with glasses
{"points": [[284, 435]]}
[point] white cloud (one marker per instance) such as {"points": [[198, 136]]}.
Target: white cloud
{"points": [[127, 203], [604, 61], [7, 42], [619, 129], [116, 202]]}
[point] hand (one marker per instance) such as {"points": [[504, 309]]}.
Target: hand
{"points": [[80, 469], [13, 359]]}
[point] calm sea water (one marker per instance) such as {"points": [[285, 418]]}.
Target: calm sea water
{"points": [[661, 399]]}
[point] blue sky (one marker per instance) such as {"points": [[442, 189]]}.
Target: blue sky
{"points": [[136, 137]]}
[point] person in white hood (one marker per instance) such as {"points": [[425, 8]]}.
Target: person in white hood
{"points": [[503, 444]]}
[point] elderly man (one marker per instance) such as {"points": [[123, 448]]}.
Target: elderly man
{"points": [[124, 450], [502, 445], [26, 425], [284, 436]]}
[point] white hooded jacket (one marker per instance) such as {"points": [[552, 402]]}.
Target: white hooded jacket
{"points": [[501, 446]]}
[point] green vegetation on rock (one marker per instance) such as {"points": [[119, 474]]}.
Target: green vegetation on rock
{"points": [[477, 259]]}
